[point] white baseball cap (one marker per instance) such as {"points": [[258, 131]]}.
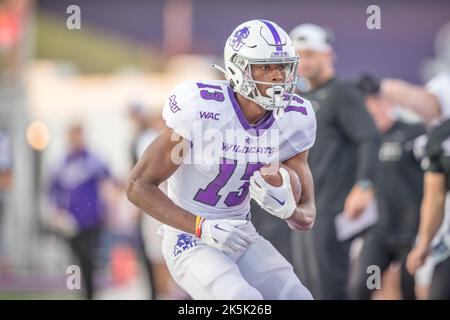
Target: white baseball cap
{"points": [[312, 37]]}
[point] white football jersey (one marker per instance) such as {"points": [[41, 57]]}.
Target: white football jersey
{"points": [[212, 181], [440, 87]]}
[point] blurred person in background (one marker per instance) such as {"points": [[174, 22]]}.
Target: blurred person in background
{"points": [[14, 16], [437, 183], [5, 168], [398, 185], [5, 179], [343, 160], [274, 230], [424, 274], [147, 128], [142, 136], [432, 103], [76, 187]]}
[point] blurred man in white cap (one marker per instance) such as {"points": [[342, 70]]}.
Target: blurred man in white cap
{"points": [[343, 160], [314, 43]]}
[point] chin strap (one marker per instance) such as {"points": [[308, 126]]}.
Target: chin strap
{"points": [[278, 113]]}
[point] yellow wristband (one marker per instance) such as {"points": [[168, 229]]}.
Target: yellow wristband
{"points": [[198, 226]]}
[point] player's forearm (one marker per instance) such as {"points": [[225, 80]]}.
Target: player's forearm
{"points": [[305, 212], [303, 217], [412, 97], [154, 202], [367, 156], [432, 214]]}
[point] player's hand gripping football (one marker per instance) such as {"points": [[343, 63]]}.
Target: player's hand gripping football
{"points": [[278, 201], [225, 235]]}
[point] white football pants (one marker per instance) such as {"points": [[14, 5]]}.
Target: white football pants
{"points": [[206, 273]]}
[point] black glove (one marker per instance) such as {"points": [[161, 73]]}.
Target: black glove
{"points": [[368, 84]]}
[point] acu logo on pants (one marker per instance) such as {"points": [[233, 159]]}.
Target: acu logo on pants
{"points": [[184, 241]]}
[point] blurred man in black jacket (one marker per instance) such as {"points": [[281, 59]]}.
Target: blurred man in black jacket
{"points": [[398, 184], [342, 161]]}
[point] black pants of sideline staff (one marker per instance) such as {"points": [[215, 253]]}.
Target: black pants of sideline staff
{"points": [[321, 260], [333, 259], [84, 246], [381, 248], [440, 282]]}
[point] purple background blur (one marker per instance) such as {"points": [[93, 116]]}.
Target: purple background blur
{"points": [[405, 40]]}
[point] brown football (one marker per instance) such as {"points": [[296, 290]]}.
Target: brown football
{"points": [[271, 175]]}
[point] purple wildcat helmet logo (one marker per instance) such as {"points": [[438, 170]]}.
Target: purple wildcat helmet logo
{"points": [[237, 41]]}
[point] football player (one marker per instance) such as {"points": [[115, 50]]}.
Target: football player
{"points": [[253, 118], [436, 184]]}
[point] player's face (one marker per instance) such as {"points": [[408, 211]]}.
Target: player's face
{"points": [[273, 73], [312, 63], [76, 141]]}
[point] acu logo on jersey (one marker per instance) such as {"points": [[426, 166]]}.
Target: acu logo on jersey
{"points": [[173, 104], [238, 38], [184, 241]]}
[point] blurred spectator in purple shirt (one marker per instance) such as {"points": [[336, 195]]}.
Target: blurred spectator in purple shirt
{"points": [[5, 182], [75, 191], [5, 166]]}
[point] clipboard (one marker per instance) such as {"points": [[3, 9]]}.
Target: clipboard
{"points": [[347, 228]]}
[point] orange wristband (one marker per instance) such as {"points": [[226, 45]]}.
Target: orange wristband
{"points": [[198, 226]]}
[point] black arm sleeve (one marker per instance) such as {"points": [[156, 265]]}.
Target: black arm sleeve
{"points": [[434, 150], [359, 127]]}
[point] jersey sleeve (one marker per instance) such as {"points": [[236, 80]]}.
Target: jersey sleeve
{"points": [[433, 164], [300, 131], [179, 110], [434, 151], [305, 125], [440, 87]]}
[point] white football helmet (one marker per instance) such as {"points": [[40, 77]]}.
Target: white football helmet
{"points": [[260, 42]]}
